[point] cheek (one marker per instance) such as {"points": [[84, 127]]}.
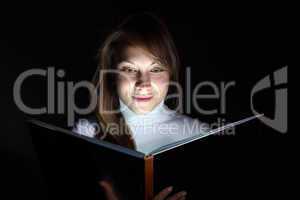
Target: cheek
{"points": [[161, 83], [124, 85]]}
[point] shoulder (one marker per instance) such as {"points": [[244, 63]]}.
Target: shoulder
{"points": [[88, 126]]}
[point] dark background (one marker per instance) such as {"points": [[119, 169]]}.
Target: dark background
{"points": [[241, 43]]}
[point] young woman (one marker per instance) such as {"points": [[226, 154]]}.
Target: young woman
{"points": [[138, 63]]}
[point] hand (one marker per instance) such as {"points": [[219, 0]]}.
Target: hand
{"points": [[165, 192], [162, 195], [109, 190]]}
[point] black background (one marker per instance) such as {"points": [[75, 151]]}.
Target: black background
{"points": [[241, 43]]}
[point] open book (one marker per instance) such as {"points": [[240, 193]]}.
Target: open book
{"points": [[74, 153]]}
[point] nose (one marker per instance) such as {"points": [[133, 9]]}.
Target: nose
{"points": [[143, 80]]}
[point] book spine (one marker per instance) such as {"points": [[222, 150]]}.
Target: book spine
{"points": [[149, 177]]}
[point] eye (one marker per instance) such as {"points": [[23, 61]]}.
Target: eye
{"points": [[128, 69], [157, 69]]}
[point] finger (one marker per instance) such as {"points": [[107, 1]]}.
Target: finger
{"points": [[183, 198], [163, 194], [178, 195], [108, 189]]}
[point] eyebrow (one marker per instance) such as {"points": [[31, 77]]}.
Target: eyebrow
{"points": [[128, 61]]}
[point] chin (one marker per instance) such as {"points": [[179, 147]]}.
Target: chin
{"points": [[143, 109]]}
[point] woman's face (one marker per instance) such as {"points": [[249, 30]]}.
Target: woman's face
{"points": [[142, 81]]}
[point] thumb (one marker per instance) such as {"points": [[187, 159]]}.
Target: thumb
{"points": [[109, 191]]}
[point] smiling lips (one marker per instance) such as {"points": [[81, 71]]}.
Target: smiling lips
{"points": [[143, 98]]}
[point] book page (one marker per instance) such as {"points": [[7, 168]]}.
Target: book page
{"points": [[199, 136]]}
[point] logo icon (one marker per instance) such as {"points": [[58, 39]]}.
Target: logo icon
{"points": [[278, 83]]}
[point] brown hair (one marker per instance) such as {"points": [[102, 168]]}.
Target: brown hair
{"points": [[142, 30]]}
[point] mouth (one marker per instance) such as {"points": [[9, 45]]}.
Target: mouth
{"points": [[142, 98]]}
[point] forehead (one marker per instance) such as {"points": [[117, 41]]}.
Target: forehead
{"points": [[138, 55]]}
